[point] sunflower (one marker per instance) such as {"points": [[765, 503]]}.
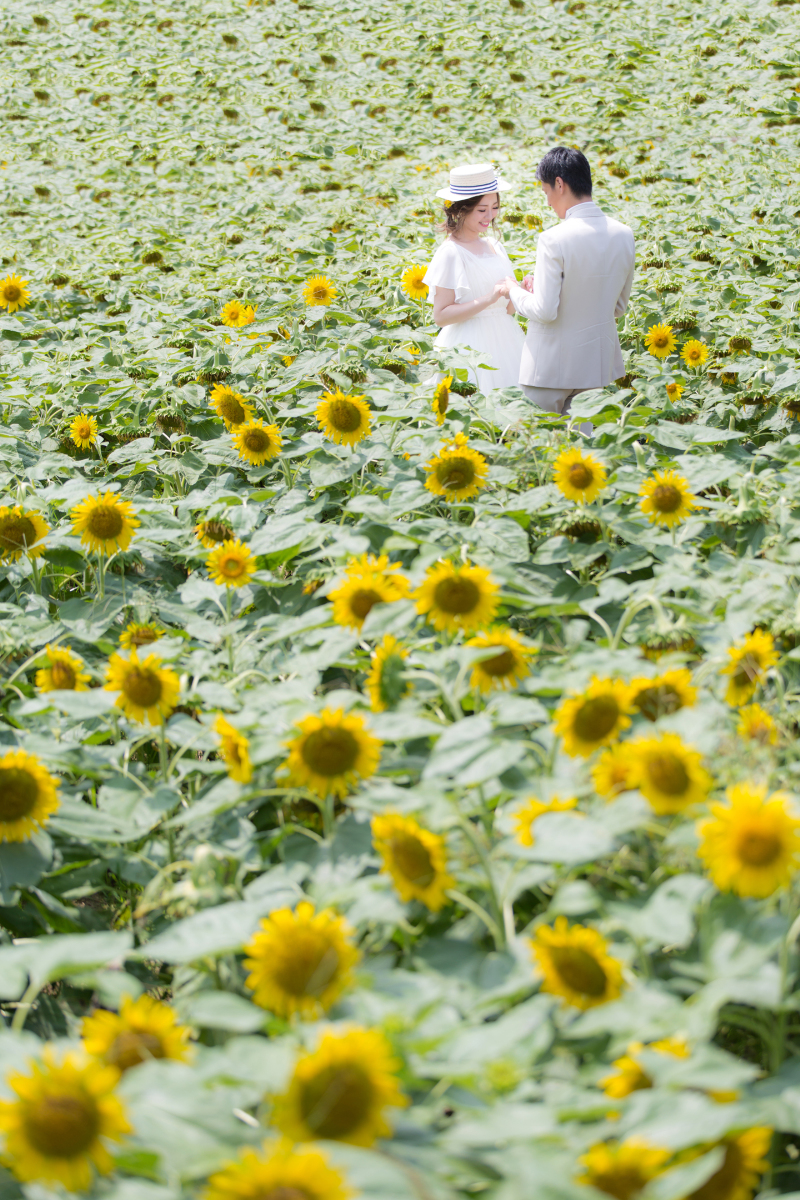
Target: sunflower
{"points": [[660, 340], [579, 475], [340, 1091], [456, 472], [319, 290], [532, 809], [63, 673], [343, 419], [230, 405], [412, 282], [457, 597], [231, 563], [630, 1076], [747, 664], [211, 533], [369, 581], [385, 683], [235, 314], [415, 858], [613, 772], [694, 353], [667, 498], [138, 633], [300, 962], [105, 523], [62, 1114], [83, 431], [279, 1171], [441, 398], [744, 1163], [331, 753], [143, 1030], [14, 293], [21, 532], [257, 442], [234, 750], [146, 689], [757, 725], [751, 845], [506, 666], [622, 1169], [594, 718], [668, 773], [576, 965], [665, 694], [27, 796], [674, 391]]}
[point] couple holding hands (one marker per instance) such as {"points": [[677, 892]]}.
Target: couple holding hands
{"points": [[580, 286]]}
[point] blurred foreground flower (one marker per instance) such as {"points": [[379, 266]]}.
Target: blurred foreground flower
{"points": [[341, 1090], [370, 580], [415, 858], [21, 532], [575, 964], [279, 1171], [300, 962], [506, 666], [63, 673], [751, 845], [756, 724], [56, 1127], [27, 796], [457, 597], [595, 717], [623, 1169], [332, 753], [142, 1030], [385, 683], [747, 664], [533, 808], [668, 773], [234, 751]]}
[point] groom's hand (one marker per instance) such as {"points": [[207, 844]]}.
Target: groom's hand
{"points": [[506, 284], [527, 283]]}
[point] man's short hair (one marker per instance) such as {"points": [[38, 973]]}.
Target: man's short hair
{"points": [[572, 166]]}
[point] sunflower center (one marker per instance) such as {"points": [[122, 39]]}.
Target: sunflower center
{"points": [[336, 1100], [344, 416], [12, 292], [62, 1126], [668, 773], [231, 410], [363, 601], [456, 595], [319, 293], [283, 1191], [231, 566], [595, 718], [62, 675], [660, 340], [233, 750], [620, 1182], [84, 431], [579, 970], [499, 664], [308, 965], [142, 686], [655, 702], [256, 441], [455, 473], [18, 793], [748, 669], [105, 522], [413, 859], [666, 497], [16, 533], [727, 1181], [580, 475], [442, 400], [330, 752], [143, 635], [759, 849], [217, 531], [134, 1046]]}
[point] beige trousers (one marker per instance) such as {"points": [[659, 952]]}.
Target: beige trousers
{"points": [[554, 400]]}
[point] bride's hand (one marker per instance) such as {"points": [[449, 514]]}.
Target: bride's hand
{"points": [[500, 290], [527, 283]]}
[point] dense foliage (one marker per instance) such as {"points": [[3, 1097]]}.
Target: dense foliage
{"points": [[395, 785]]}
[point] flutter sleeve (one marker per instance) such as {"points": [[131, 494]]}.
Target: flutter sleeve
{"points": [[446, 270]]}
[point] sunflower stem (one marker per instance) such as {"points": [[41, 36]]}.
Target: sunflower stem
{"points": [[162, 750], [101, 577], [229, 606], [24, 1007], [494, 929]]}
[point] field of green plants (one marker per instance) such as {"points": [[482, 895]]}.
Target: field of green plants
{"points": [[396, 784]]}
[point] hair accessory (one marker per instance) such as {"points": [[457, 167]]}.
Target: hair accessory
{"points": [[476, 179]]}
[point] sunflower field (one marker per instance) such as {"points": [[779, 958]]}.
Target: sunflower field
{"points": [[398, 786]]}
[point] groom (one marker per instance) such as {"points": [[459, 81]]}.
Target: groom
{"points": [[580, 286]]}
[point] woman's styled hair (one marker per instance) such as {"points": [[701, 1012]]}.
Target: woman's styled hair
{"points": [[457, 210]]}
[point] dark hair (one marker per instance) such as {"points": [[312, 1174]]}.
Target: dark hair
{"points": [[457, 210], [570, 165]]}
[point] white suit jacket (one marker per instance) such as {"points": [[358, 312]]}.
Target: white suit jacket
{"points": [[581, 284]]}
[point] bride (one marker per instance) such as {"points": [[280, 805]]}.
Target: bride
{"points": [[466, 276]]}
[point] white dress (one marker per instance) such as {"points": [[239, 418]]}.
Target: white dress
{"points": [[494, 333]]}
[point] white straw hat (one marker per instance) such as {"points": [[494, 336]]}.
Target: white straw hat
{"points": [[476, 179]]}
